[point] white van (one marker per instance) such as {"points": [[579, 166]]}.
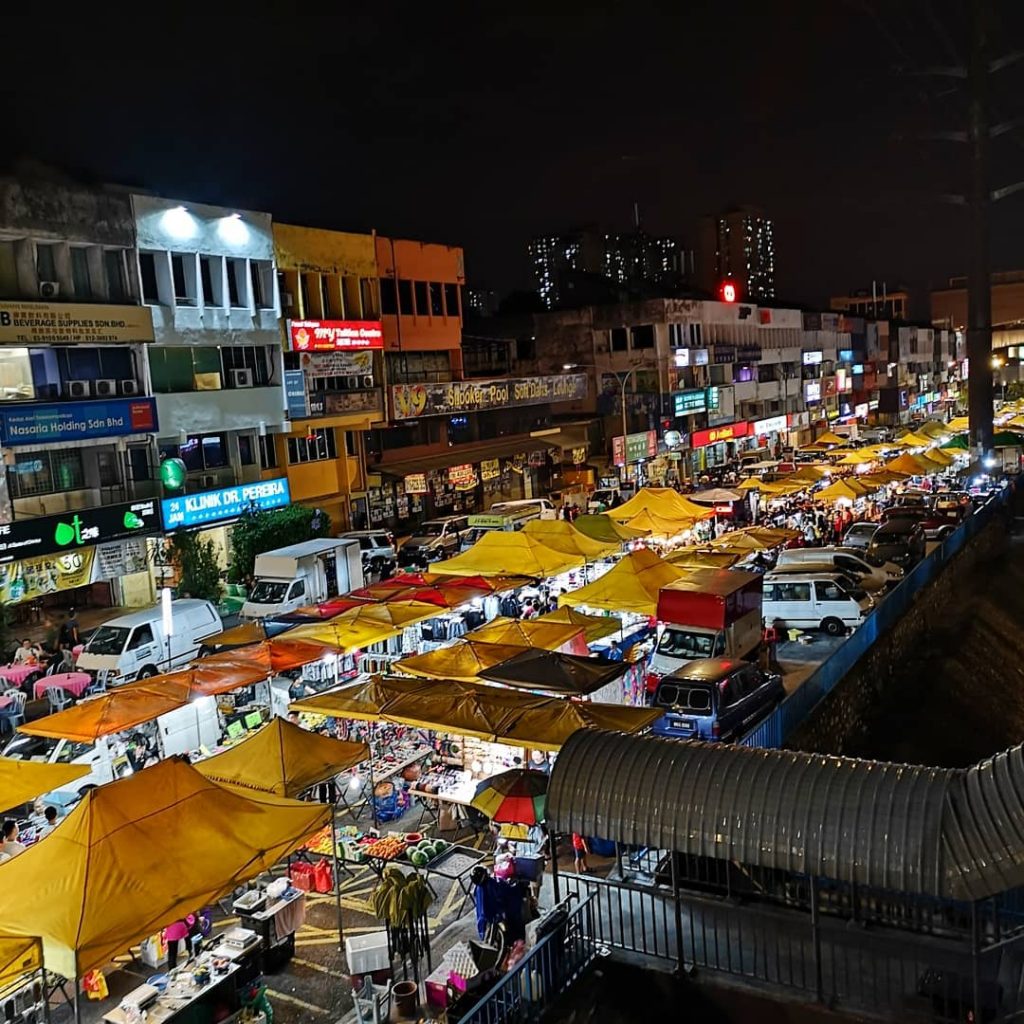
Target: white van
{"points": [[845, 560], [811, 601], [524, 510], [178, 732], [134, 646]]}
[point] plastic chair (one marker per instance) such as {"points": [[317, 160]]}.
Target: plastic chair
{"points": [[372, 1002], [59, 698], [14, 713], [99, 684]]}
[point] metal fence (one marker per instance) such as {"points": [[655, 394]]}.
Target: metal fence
{"points": [[780, 724], [822, 954], [523, 994]]}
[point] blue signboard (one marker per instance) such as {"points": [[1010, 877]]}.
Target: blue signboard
{"points": [[295, 394], [212, 507], [76, 421]]}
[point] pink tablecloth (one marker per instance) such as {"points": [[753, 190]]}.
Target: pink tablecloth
{"points": [[74, 682], [17, 674]]}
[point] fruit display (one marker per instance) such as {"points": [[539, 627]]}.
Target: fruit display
{"points": [[426, 850], [320, 843], [387, 848]]}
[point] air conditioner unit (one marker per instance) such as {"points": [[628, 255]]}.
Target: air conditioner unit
{"points": [[241, 378], [49, 289], [79, 388], [106, 387], [368, 380], [129, 387]]}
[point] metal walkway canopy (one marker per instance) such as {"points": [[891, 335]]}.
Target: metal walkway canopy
{"points": [[956, 834]]}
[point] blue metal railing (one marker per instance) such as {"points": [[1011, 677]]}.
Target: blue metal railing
{"points": [[780, 724], [524, 993]]}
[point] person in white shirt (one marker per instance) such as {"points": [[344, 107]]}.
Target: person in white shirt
{"points": [[10, 844], [25, 654]]}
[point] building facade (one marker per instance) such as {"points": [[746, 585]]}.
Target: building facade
{"points": [[876, 303], [334, 363], [208, 277], [738, 245], [78, 493]]}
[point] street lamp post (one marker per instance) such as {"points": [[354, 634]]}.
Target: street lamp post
{"points": [[621, 378]]}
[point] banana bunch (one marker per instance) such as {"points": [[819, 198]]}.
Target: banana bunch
{"points": [[400, 898]]}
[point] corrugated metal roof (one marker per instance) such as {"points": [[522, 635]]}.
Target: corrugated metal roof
{"points": [[933, 831]]}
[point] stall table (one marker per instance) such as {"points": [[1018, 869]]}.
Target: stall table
{"points": [[179, 996], [456, 864], [459, 797], [276, 926], [76, 683], [17, 674], [372, 774]]}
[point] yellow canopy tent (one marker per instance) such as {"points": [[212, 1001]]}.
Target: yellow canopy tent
{"points": [[281, 759], [137, 854], [487, 712], [939, 457], [19, 956], [631, 586], [562, 536], [699, 558], [551, 636], [958, 423], [934, 429], [594, 627], [659, 526], [783, 487], [774, 535], [841, 490], [880, 478], [856, 458], [830, 437], [912, 465], [363, 701], [913, 440], [739, 541], [498, 553], [809, 474], [360, 627], [464, 660], [604, 528], [663, 502], [21, 781]]}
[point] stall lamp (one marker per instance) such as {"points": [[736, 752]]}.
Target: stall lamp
{"points": [[355, 782]]}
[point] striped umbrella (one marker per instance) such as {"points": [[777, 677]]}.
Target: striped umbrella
{"points": [[518, 796]]}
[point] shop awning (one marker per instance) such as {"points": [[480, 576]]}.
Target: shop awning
{"points": [[566, 674], [281, 759], [21, 781], [137, 854], [663, 502], [489, 713], [595, 627], [463, 661], [562, 536], [630, 586], [498, 553], [539, 632], [367, 625], [461, 455], [19, 956], [604, 528]]}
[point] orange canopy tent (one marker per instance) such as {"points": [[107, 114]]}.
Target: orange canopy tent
{"points": [[137, 854]]}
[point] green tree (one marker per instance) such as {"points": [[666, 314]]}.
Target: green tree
{"points": [[197, 565], [258, 531]]}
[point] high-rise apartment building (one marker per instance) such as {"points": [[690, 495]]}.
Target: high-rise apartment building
{"points": [[738, 244], [581, 261], [879, 302]]}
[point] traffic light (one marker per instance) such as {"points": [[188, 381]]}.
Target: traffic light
{"points": [[728, 291]]}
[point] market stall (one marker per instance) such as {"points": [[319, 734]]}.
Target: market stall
{"points": [[632, 585], [595, 627], [23, 781], [604, 528], [562, 536], [23, 989], [509, 554], [71, 890]]}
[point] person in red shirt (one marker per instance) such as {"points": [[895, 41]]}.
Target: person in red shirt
{"points": [[579, 853]]}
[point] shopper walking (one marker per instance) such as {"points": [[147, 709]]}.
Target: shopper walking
{"points": [[579, 853]]}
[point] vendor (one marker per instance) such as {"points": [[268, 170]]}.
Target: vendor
{"points": [[173, 934]]}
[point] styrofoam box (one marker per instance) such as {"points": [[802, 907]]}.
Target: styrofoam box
{"points": [[367, 953]]}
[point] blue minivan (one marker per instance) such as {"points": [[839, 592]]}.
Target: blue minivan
{"points": [[715, 699]]}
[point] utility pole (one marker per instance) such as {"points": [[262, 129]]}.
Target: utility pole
{"points": [[979, 285]]}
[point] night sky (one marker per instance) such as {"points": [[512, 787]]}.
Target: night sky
{"points": [[482, 130]]}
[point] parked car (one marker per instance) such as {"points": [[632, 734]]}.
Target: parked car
{"points": [[377, 549], [859, 535], [809, 601], [433, 540], [845, 560], [900, 540], [606, 498], [715, 699]]}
